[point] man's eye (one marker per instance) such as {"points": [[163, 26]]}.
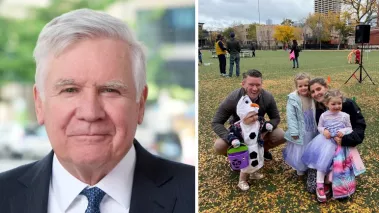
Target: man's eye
{"points": [[110, 90], [70, 90]]}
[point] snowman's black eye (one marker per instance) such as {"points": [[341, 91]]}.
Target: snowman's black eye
{"points": [[246, 102]]}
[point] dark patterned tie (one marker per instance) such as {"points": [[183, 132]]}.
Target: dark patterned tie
{"points": [[94, 196]]}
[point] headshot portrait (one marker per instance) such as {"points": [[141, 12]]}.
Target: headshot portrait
{"points": [[91, 95]]}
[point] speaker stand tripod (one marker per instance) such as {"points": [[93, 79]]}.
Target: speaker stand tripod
{"points": [[360, 68]]}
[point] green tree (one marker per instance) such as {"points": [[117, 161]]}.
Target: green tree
{"points": [[318, 24], [252, 32], [227, 31], [287, 21], [18, 37]]}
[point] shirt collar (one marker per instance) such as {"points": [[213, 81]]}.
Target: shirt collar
{"points": [[117, 184]]}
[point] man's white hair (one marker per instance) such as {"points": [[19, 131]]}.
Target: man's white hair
{"points": [[78, 25]]}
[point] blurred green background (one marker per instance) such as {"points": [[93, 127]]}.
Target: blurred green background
{"points": [[167, 28]]}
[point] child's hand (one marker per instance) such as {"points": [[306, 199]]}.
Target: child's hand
{"points": [[338, 140], [236, 143], [269, 127], [327, 134], [295, 137], [340, 134]]}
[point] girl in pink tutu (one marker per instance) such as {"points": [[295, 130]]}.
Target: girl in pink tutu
{"points": [[319, 153]]}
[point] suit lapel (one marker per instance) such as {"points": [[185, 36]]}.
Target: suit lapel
{"points": [[37, 182], [150, 177]]}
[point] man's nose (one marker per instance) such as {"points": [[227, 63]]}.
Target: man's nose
{"points": [[90, 107]]}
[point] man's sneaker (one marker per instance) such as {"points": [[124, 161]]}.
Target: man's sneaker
{"points": [[256, 176], [321, 197], [267, 156]]}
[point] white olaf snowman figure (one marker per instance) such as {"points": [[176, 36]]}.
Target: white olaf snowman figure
{"points": [[250, 134]]}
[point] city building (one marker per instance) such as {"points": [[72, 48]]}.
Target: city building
{"points": [[325, 6], [242, 34], [265, 36]]}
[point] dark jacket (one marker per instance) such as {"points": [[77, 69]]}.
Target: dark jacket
{"points": [[158, 186], [357, 120], [295, 48], [233, 46], [227, 110]]}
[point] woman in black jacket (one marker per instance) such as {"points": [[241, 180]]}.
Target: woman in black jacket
{"points": [[295, 48], [318, 87]]}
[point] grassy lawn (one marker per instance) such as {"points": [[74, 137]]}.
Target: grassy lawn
{"points": [[279, 191]]}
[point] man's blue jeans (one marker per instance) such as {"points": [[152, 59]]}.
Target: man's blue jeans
{"points": [[234, 58]]}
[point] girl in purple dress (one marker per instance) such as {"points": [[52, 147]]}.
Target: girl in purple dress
{"points": [[301, 124], [320, 151]]}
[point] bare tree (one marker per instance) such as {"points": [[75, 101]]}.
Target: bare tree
{"points": [[363, 11]]}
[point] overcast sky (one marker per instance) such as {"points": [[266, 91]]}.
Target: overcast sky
{"points": [[222, 13]]}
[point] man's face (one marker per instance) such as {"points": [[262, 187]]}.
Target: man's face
{"points": [[90, 109], [252, 86]]}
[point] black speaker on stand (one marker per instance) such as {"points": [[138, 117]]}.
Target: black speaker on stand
{"points": [[362, 35]]}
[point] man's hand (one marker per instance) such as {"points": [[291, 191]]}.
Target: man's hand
{"points": [[236, 143], [269, 127], [295, 137], [326, 134], [338, 140]]}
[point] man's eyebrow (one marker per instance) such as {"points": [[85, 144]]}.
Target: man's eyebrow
{"points": [[64, 82], [117, 84]]}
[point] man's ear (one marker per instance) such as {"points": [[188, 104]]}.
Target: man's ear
{"points": [[38, 105], [142, 104]]}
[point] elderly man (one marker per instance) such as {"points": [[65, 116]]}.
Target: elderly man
{"points": [[251, 86], [90, 93]]}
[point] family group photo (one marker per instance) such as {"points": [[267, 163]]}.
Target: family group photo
{"points": [[287, 108]]}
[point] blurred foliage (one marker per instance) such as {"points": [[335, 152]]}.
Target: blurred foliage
{"points": [[18, 37], [163, 73]]}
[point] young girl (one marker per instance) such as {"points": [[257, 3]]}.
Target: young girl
{"points": [[320, 152], [300, 122], [248, 130]]}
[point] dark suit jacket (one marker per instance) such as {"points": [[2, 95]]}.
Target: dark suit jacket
{"points": [[159, 186]]}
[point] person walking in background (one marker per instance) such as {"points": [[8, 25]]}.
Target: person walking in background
{"points": [[221, 52], [200, 55], [296, 50], [253, 49], [234, 49]]}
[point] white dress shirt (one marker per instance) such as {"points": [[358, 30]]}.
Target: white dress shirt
{"points": [[64, 194]]}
